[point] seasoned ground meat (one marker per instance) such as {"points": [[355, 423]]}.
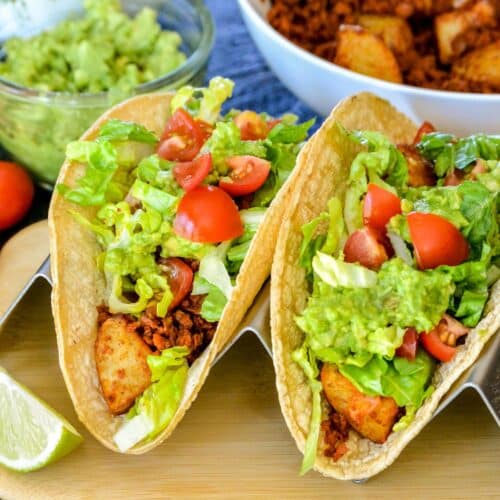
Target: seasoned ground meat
{"points": [[336, 432]]}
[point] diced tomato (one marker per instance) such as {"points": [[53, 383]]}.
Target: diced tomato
{"points": [[251, 125], [207, 214], [192, 173], [420, 171], [408, 349], [425, 128], [379, 206], [248, 173], [364, 246], [440, 342], [179, 277], [182, 138], [436, 241], [16, 193]]}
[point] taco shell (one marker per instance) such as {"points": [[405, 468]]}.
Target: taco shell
{"points": [[324, 167], [79, 288]]}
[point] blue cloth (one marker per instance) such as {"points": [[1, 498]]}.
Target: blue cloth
{"points": [[235, 56]]}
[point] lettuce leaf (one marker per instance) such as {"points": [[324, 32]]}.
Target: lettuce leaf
{"points": [[214, 302], [156, 407], [118, 130], [287, 133]]}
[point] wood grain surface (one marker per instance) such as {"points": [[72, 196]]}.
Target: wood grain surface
{"points": [[233, 441]]}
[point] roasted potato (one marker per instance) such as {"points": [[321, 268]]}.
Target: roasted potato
{"points": [[480, 65], [420, 171], [372, 417], [451, 26], [366, 53], [121, 364], [395, 31]]}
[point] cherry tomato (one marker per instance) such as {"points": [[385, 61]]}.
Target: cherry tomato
{"points": [[248, 173], [182, 138], [208, 214], [190, 174], [16, 193], [364, 246], [179, 277], [425, 128], [379, 206], [436, 241], [440, 342], [251, 125], [408, 349]]}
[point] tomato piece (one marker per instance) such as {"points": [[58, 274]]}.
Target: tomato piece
{"points": [[364, 246], [435, 347], [408, 349], [182, 138], [190, 174], [251, 125], [440, 342], [248, 173], [379, 206], [180, 279], [425, 128], [436, 241], [16, 193], [207, 214]]}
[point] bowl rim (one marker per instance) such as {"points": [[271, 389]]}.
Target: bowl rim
{"points": [[182, 73], [247, 7]]}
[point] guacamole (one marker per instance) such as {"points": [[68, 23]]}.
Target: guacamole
{"points": [[103, 50]]}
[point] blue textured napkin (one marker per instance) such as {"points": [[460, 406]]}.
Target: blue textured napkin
{"points": [[235, 56]]}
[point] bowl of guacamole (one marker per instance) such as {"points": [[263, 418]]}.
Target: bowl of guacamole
{"points": [[63, 63]]}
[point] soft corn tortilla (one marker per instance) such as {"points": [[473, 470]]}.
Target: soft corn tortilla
{"points": [[78, 287], [324, 167]]}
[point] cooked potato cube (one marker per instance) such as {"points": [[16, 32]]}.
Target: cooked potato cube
{"points": [[121, 364], [481, 65], [366, 53], [395, 31], [372, 417], [451, 26]]}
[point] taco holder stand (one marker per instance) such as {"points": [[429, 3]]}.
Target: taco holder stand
{"points": [[483, 376]]}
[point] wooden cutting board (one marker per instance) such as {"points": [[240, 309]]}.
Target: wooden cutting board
{"points": [[233, 442]]}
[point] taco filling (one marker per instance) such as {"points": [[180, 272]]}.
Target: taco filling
{"points": [[398, 279], [176, 215]]}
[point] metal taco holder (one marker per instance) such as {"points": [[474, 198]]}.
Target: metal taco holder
{"points": [[483, 376]]}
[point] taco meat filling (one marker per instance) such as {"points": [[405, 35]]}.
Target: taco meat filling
{"points": [[446, 45], [398, 281]]}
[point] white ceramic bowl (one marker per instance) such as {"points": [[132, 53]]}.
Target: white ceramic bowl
{"points": [[321, 84]]}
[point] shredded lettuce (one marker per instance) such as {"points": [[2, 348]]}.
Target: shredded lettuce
{"points": [[118, 130], [155, 408], [204, 103], [214, 302], [287, 133]]}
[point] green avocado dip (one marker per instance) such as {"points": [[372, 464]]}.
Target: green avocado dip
{"points": [[103, 50]]}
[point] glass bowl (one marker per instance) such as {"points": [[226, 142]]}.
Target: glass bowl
{"points": [[36, 126]]}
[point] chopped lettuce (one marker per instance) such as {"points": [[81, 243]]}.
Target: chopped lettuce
{"points": [[156, 407], [213, 270], [214, 302], [118, 130], [204, 103], [287, 133], [154, 198]]}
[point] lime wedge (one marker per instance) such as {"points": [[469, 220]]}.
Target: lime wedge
{"points": [[32, 434]]}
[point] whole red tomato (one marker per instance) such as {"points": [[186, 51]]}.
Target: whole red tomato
{"points": [[16, 193]]}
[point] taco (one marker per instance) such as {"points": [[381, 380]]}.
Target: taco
{"points": [[383, 284], [162, 231]]}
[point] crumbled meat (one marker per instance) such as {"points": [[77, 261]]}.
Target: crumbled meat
{"points": [[420, 171], [336, 432]]}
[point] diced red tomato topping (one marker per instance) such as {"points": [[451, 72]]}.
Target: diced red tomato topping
{"points": [[179, 277], [440, 342], [182, 138], [192, 173], [408, 349], [248, 173], [379, 206], [208, 214], [425, 128], [436, 241], [364, 246]]}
